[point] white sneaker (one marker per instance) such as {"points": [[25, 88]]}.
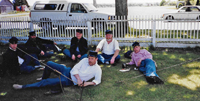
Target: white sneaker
{"points": [[17, 86], [41, 66], [125, 70], [107, 62], [136, 69], [39, 79]]}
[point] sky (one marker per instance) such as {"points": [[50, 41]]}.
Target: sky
{"points": [[31, 2]]}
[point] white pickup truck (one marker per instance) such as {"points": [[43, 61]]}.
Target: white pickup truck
{"points": [[66, 13]]}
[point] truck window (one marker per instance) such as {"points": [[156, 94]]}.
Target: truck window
{"points": [[77, 8], [45, 6]]}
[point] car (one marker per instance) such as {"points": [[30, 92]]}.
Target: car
{"points": [[184, 13]]}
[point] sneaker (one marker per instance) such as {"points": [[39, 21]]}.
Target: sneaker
{"points": [[107, 62], [154, 80], [125, 70], [17, 86], [41, 66], [135, 69], [39, 79]]}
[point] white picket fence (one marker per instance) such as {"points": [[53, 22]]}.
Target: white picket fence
{"points": [[147, 31]]}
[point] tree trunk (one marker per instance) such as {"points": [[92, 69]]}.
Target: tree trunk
{"points": [[121, 12], [188, 2], [197, 3]]}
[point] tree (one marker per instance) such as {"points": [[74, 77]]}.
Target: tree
{"points": [[197, 3], [188, 2], [162, 3], [121, 12]]}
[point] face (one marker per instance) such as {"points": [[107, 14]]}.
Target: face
{"points": [[92, 60], [79, 35], [109, 37], [33, 37], [136, 49], [13, 46]]}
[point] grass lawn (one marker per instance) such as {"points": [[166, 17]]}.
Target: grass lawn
{"points": [[182, 82]]}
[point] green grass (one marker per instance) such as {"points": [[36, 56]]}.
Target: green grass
{"points": [[182, 83]]}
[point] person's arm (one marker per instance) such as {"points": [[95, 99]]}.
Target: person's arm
{"points": [[100, 46], [114, 56]]}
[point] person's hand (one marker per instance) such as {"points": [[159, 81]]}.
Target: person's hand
{"points": [[112, 61], [79, 56], [55, 43], [42, 52], [80, 82], [139, 62], [73, 57]]}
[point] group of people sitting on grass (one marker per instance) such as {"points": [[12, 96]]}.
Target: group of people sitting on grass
{"points": [[24, 59]]}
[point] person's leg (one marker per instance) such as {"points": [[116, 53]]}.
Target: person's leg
{"points": [[148, 67], [24, 66], [84, 56], [35, 60], [101, 59], [67, 53]]}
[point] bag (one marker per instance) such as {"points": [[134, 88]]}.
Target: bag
{"points": [[128, 54]]}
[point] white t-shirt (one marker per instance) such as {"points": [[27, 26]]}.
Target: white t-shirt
{"points": [[86, 72], [110, 48]]}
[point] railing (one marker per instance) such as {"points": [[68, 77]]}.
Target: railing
{"points": [[148, 31]]}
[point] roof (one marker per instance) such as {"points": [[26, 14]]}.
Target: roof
{"points": [[5, 2]]}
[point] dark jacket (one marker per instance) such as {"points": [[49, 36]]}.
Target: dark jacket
{"points": [[35, 46], [82, 44], [10, 62]]}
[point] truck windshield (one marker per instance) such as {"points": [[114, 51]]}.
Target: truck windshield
{"points": [[90, 7]]}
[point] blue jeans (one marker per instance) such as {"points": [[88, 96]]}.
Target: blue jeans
{"points": [[102, 58], [46, 81], [148, 67], [68, 54], [27, 60]]}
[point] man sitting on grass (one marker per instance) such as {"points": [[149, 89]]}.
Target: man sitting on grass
{"points": [[85, 70], [143, 60]]}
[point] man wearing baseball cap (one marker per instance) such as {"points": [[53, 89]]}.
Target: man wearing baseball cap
{"points": [[110, 49], [85, 70], [144, 61]]}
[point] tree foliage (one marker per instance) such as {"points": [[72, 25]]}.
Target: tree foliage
{"points": [[162, 3]]}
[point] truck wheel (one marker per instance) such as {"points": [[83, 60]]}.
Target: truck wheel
{"points": [[198, 18], [169, 18]]}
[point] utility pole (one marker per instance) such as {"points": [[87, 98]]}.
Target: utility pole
{"points": [[121, 12]]}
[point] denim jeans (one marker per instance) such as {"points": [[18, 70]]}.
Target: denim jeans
{"points": [[148, 67], [102, 58], [25, 66], [68, 54], [46, 81]]}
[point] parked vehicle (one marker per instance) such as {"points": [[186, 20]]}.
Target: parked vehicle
{"points": [[184, 13], [66, 13]]}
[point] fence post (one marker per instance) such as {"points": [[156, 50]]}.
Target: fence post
{"points": [[31, 26], [153, 33], [89, 32]]}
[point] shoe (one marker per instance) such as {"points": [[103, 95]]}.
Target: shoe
{"points": [[136, 69], [107, 62], [17, 86], [124, 70], [154, 80], [39, 79], [53, 92], [39, 66]]}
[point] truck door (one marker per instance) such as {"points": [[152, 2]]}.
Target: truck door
{"points": [[77, 14]]}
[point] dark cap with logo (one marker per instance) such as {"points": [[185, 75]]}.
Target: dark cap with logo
{"points": [[135, 44], [79, 31], [13, 40], [93, 54], [108, 32], [32, 33]]}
